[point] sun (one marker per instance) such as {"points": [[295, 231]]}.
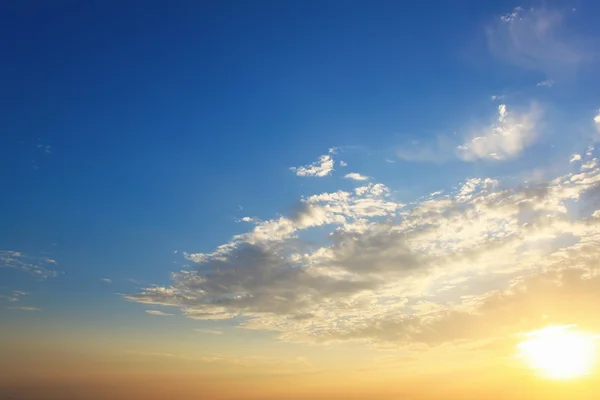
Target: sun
{"points": [[559, 352]]}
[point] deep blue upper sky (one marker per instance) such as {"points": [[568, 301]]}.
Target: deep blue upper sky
{"points": [[163, 118]]}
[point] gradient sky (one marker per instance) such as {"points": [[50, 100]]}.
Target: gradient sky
{"points": [[290, 200]]}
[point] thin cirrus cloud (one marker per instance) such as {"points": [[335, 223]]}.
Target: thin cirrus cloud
{"points": [[24, 308], [398, 274], [538, 39], [208, 331], [158, 313]]}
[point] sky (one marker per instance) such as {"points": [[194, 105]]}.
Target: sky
{"points": [[242, 200]]}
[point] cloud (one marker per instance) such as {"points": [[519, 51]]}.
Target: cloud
{"points": [[458, 265], [320, 168], [597, 121], [106, 280], [157, 313], [356, 176], [546, 83], [343, 164], [208, 331], [538, 39], [34, 266], [45, 147], [23, 308], [506, 138], [14, 296], [575, 157]]}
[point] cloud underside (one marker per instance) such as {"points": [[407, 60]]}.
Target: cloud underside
{"points": [[485, 259]]}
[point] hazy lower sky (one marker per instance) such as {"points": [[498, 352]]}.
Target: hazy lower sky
{"points": [[244, 200]]}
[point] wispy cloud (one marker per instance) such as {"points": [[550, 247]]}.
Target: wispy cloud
{"points": [[158, 313], [24, 308], [355, 176], [38, 267], [506, 138], [546, 83], [106, 280], [14, 296], [208, 331], [321, 168], [538, 39]]}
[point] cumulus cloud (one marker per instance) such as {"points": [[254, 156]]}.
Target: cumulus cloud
{"points": [[157, 313], [321, 168], [457, 265], [506, 138], [538, 39], [356, 176], [38, 267]]}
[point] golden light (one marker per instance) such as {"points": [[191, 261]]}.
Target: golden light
{"points": [[559, 352]]}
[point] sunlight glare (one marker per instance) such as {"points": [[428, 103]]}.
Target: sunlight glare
{"points": [[558, 352]]}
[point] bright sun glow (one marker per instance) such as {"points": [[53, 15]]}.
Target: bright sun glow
{"points": [[559, 352]]}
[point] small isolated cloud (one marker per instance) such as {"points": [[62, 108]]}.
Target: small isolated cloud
{"points": [[320, 168], [106, 280], [597, 121], [23, 308], [506, 138], [546, 83], [158, 313], [356, 176], [343, 164], [208, 331], [537, 39], [45, 147], [575, 157]]}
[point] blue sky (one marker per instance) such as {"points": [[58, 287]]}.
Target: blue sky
{"points": [[136, 137]]}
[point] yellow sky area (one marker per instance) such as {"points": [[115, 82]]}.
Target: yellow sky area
{"points": [[486, 369]]}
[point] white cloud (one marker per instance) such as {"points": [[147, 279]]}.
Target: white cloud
{"points": [[394, 273], [320, 168], [23, 308], [597, 121], [208, 331], [356, 176], [343, 164], [537, 39], [34, 266], [575, 157], [106, 280], [505, 138], [157, 313]]}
